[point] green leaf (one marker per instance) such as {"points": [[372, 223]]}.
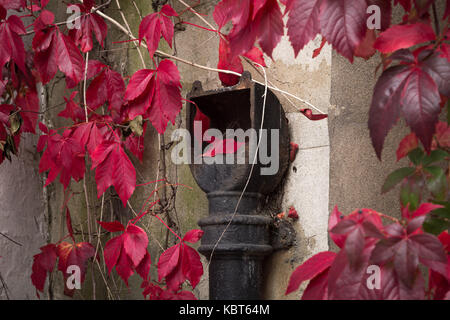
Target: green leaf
{"points": [[436, 225], [396, 177], [437, 183], [407, 196], [435, 156], [416, 156]]}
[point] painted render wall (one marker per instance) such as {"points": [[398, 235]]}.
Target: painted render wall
{"points": [[335, 163]]}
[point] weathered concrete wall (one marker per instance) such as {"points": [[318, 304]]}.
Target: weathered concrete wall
{"points": [[21, 219]]}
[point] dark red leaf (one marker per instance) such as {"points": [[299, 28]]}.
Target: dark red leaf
{"points": [[65, 156], [303, 24], [156, 24], [11, 44], [293, 213], [408, 144], [228, 62], [114, 226], [317, 288], [29, 106], [314, 117], [404, 36], [143, 268], [135, 242], [293, 149], [343, 24], [386, 104], [335, 217], [89, 23], [420, 105], [310, 269], [43, 263], [437, 68], [443, 134], [365, 49], [73, 110], [112, 251], [113, 168], [193, 236], [192, 267], [166, 104], [318, 50]]}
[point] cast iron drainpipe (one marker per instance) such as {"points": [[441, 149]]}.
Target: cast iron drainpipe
{"points": [[235, 271]]}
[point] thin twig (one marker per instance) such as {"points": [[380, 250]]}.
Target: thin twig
{"points": [[12, 240], [129, 31], [84, 87], [436, 19]]}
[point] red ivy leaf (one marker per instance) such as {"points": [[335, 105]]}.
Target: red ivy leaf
{"points": [[303, 24], [180, 262], [90, 22], [135, 244], [73, 110], [128, 251], [404, 36], [256, 55], [412, 89], [11, 44], [443, 134], [252, 21], [293, 213], [313, 117], [365, 49], [293, 149], [43, 263], [335, 217], [57, 50], [318, 50], [114, 226], [408, 144], [343, 24], [29, 107], [155, 94], [193, 236], [113, 168], [63, 155], [156, 24], [310, 269], [167, 100], [228, 62], [317, 288], [108, 86], [12, 4]]}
